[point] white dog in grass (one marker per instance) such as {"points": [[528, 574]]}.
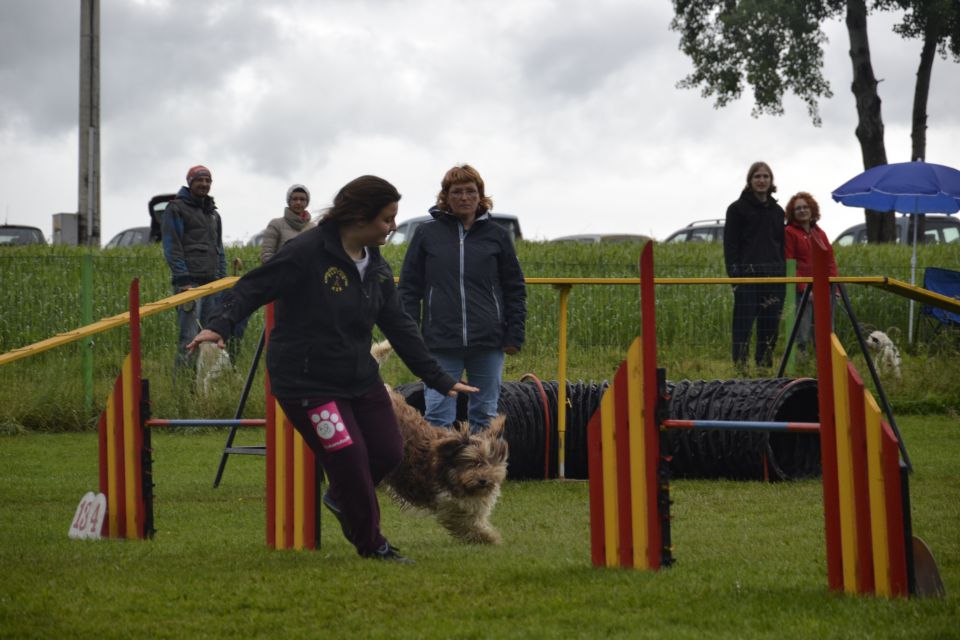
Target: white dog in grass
{"points": [[886, 354], [212, 362]]}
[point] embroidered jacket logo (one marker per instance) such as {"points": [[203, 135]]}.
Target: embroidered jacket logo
{"points": [[335, 279]]}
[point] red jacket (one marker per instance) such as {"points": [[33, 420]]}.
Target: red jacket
{"points": [[797, 246]]}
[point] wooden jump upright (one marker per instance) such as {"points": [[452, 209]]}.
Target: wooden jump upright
{"points": [[865, 492], [293, 478]]}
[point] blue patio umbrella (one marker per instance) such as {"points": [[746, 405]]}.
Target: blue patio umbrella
{"points": [[913, 188]]}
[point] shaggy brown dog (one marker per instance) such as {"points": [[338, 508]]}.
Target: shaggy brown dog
{"points": [[454, 475]]}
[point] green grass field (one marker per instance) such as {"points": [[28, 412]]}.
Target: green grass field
{"points": [[750, 555], [750, 560], [46, 392]]}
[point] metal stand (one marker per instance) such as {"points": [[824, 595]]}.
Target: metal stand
{"points": [[255, 450], [804, 301]]}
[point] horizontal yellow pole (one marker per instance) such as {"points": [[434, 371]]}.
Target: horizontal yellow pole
{"points": [[887, 284], [119, 320], [878, 280]]}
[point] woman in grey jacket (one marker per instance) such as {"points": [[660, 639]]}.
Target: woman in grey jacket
{"points": [[294, 221]]}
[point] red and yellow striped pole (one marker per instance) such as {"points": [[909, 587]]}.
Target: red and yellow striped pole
{"points": [[121, 442], [293, 519], [866, 527], [624, 453]]}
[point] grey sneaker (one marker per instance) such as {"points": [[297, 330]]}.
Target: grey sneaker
{"points": [[387, 552], [335, 510]]}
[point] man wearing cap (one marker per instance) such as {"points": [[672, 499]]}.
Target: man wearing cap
{"points": [[295, 220], [193, 247]]}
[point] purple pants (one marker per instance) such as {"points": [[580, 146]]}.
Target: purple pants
{"points": [[354, 470]]}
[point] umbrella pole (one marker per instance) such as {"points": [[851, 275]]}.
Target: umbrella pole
{"points": [[913, 279]]}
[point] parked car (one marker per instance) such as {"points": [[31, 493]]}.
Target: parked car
{"points": [[257, 239], [130, 238], [18, 234], [699, 231], [937, 229], [407, 228], [156, 207], [135, 236], [602, 237]]}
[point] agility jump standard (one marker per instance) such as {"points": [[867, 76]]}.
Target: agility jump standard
{"points": [[865, 490], [293, 479]]}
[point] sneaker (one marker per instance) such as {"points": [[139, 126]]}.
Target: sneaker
{"points": [[387, 552], [335, 510]]}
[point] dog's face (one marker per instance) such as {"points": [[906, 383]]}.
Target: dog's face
{"points": [[472, 465], [878, 340]]}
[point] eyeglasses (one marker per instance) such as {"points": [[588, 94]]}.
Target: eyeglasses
{"points": [[801, 207], [464, 193]]}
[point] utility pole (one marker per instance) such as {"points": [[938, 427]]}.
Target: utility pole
{"points": [[88, 180]]}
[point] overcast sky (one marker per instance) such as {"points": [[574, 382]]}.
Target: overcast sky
{"points": [[568, 108]]}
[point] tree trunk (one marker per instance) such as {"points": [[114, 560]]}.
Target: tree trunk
{"points": [[922, 91], [881, 226]]}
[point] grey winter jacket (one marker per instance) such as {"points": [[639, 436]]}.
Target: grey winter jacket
{"points": [[193, 240], [282, 230]]}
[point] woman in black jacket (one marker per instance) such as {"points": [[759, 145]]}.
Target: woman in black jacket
{"points": [[462, 282], [331, 286]]}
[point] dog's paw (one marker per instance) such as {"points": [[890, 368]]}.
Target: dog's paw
{"points": [[484, 535]]}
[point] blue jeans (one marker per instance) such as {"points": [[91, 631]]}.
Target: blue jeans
{"points": [[484, 369]]}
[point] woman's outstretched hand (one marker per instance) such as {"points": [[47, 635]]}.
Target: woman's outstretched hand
{"points": [[461, 388], [206, 335]]}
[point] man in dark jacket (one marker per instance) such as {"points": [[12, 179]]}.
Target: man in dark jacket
{"points": [[753, 247], [192, 236]]}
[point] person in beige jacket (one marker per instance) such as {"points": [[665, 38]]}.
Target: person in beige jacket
{"points": [[295, 220]]}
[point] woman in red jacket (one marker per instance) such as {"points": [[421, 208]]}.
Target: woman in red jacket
{"points": [[802, 213]]}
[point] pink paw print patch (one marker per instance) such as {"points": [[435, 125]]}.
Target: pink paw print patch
{"points": [[330, 428]]}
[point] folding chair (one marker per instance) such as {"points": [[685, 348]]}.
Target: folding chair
{"points": [[947, 283]]}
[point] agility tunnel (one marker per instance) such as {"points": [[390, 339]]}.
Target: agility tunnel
{"points": [[532, 427]]}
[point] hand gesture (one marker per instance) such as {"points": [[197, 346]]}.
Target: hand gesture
{"points": [[461, 388], [206, 335]]}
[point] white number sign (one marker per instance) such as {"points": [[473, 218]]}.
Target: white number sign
{"points": [[88, 520]]}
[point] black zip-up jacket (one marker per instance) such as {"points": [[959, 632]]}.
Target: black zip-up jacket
{"points": [[320, 345], [753, 237], [465, 288]]}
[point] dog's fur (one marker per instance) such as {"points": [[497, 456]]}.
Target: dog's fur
{"points": [[450, 473], [886, 354], [212, 362]]}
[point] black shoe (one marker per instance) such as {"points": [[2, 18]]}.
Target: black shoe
{"points": [[386, 552], [335, 510]]}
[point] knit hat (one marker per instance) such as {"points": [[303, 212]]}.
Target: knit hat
{"points": [[297, 187], [196, 172]]}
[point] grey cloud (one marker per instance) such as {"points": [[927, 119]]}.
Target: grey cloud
{"points": [[39, 48], [573, 56]]}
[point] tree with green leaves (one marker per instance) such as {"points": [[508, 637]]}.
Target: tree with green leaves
{"points": [[776, 46]]}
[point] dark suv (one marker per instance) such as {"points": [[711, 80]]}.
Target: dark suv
{"points": [[136, 236], [699, 231], [18, 234], [937, 229]]}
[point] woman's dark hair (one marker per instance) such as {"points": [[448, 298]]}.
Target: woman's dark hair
{"points": [[361, 200]]}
